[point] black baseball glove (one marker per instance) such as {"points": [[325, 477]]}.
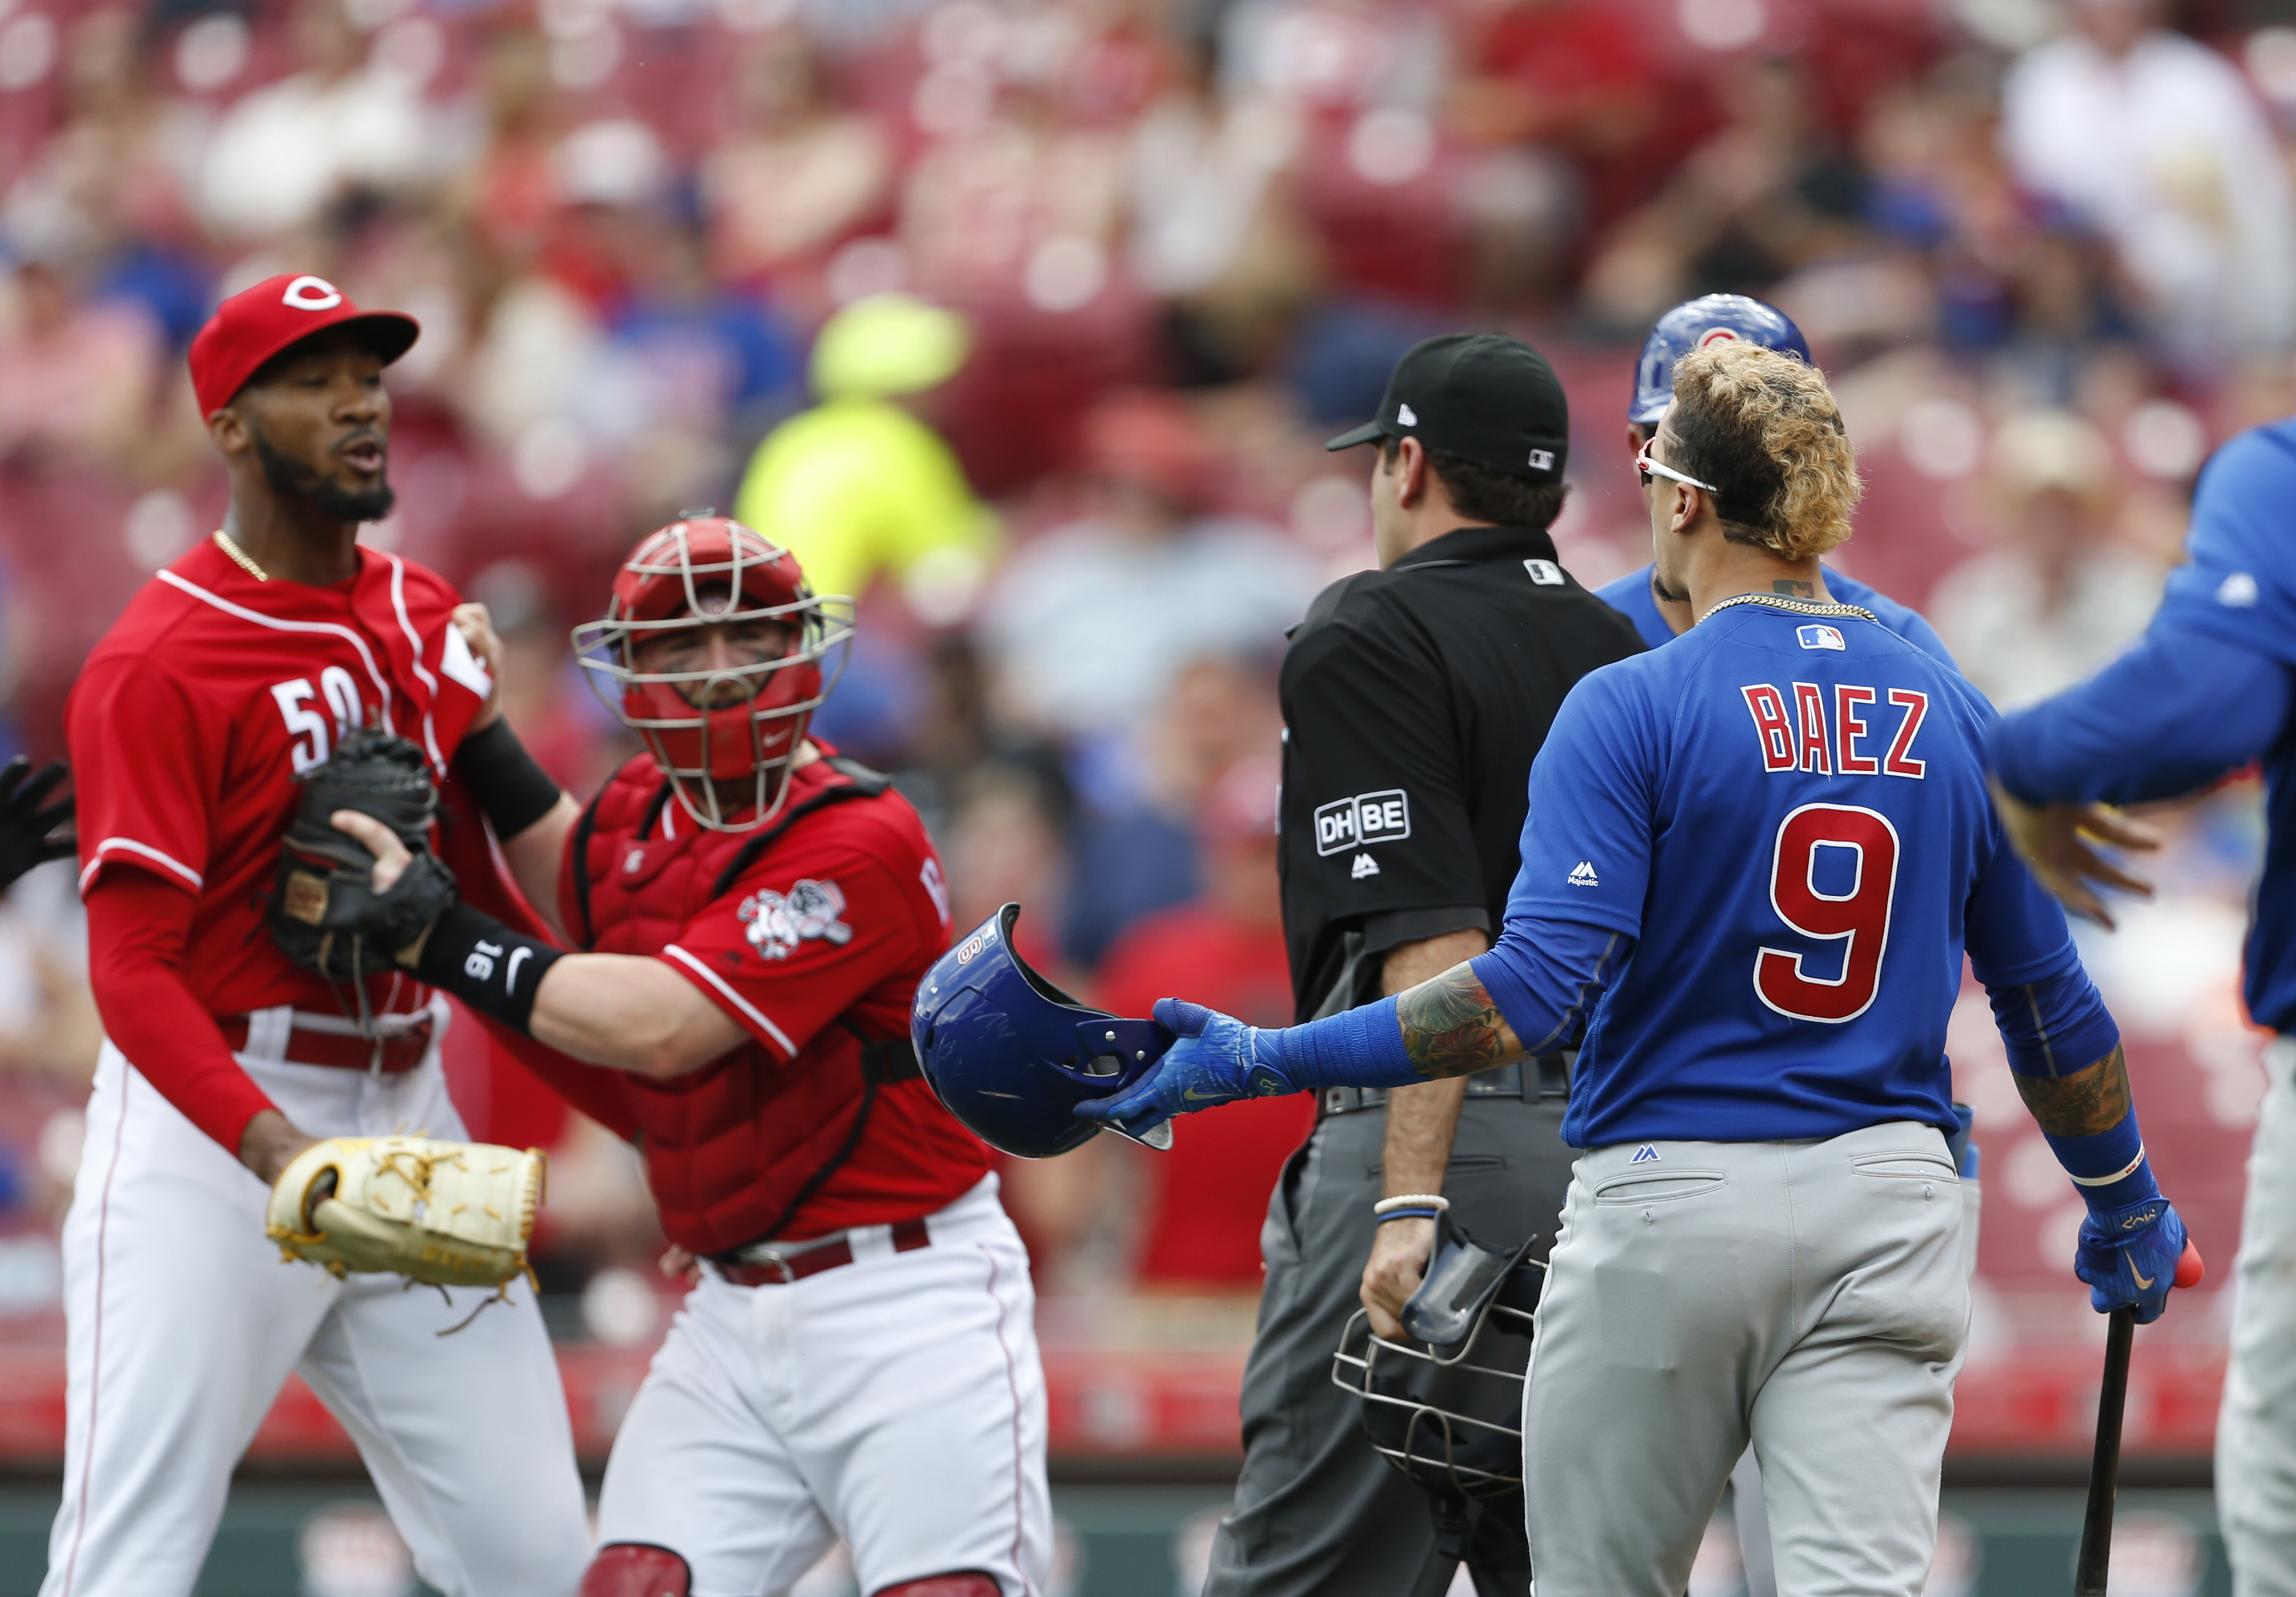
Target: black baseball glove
{"points": [[326, 914], [25, 828]]}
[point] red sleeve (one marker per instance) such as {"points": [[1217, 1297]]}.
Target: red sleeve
{"points": [[798, 944], [146, 772], [136, 926]]}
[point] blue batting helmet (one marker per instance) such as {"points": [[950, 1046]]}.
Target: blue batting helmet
{"points": [[1694, 324], [1012, 1055]]}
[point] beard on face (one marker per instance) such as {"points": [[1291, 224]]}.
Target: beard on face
{"points": [[291, 478], [1658, 586]]}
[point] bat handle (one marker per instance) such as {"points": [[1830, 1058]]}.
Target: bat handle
{"points": [[2105, 1469]]}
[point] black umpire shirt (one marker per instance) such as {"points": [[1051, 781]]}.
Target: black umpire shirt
{"points": [[1414, 699]]}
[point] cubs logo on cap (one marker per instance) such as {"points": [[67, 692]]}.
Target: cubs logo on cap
{"points": [[257, 323]]}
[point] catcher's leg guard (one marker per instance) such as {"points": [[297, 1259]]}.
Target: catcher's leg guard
{"points": [[965, 1583], [633, 1570]]}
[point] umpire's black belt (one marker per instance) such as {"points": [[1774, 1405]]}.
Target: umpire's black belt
{"points": [[1551, 1078]]}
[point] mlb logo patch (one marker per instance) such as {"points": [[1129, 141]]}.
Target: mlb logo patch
{"points": [[1821, 637]]}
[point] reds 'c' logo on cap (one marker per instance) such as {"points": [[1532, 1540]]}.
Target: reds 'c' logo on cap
{"points": [[312, 293], [1712, 335]]}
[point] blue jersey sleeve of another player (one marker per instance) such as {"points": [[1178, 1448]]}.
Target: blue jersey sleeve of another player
{"points": [[1902, 619], [2238, 581], [1630, 595]]}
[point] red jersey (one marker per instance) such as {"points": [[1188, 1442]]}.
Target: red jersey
{"points": [[191, 718], [811, 934]]}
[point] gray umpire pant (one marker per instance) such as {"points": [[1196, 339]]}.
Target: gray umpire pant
{"points": [[1316, 1510], [1809, 1296], [2256, 1429]]}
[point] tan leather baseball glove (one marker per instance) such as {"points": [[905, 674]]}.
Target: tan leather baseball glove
{"points": [[449, 1214]]}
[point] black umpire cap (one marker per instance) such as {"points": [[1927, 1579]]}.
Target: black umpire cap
{"points": [[1481, 396]]}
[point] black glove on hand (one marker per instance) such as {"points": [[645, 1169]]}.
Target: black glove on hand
{"points": [[25, 827], [326, 914]]}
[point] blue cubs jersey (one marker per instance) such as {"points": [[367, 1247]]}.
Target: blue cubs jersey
{"points": [[1784, 821], [1631, 597], [2238, 583]]}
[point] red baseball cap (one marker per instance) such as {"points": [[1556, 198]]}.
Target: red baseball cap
{"points": [[257, 323]]}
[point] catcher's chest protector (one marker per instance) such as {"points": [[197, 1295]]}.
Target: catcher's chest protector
{"points": [[730, 1148]]}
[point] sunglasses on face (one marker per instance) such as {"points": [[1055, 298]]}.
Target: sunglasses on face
{"points": [[1650, 468]]}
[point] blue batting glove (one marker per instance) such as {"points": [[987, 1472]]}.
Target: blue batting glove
{"points": [[2129, 1257], [1217, 1060]]}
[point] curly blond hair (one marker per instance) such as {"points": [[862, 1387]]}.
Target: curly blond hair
{"points": [[1763, 428]]}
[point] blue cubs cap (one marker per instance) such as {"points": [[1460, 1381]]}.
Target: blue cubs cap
{"points": [[1709, 319], [1481, 396]]}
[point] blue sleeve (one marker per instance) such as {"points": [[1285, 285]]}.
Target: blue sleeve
{"points": [[1545, 974], [2238, 581], [1630, 596], [1586, 854], [2052, 1020], [2178, 710]]}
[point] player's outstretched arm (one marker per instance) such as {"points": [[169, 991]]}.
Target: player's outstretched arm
{"points": [[1537, 982], [603, 1009]]}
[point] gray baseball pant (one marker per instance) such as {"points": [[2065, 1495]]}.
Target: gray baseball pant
{"points": [[2256, 1429], [1811, 1297], [1318, 1514]]}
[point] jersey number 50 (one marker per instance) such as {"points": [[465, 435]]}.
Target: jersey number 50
{"points": [[1858, 919]]}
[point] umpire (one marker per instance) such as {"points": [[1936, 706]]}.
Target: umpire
{"points": [[1415, 697]]}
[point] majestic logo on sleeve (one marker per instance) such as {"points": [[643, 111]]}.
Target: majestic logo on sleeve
{"points": [[778, 922], [2238, 590], [1367, 818], [1582, 875]]}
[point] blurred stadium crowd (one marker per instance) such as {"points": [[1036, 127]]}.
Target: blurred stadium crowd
{"points": [[1024, 321]]}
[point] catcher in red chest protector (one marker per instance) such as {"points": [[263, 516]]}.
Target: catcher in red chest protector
{"points": [[753, 913]]}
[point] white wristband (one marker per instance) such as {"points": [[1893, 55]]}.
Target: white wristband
{"points": [[1434, 1200], [2123, 1173]]}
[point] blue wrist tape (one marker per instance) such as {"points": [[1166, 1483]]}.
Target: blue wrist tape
{"points": [[2109, 1169], [1355, 1048], [1409, 1213]]}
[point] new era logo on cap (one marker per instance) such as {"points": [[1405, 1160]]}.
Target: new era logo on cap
{"points": [[1405, 416], [255, 324]]}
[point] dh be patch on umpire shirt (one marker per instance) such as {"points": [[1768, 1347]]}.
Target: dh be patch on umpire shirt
{"points": [[1413, 701]]}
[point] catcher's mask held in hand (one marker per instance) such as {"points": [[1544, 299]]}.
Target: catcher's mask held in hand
{"points": [[1446, 1407], [724, 737], [446, 1214], [1012, 1055]]}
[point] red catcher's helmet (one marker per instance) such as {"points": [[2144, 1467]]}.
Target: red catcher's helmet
{"points": [[725, 752]]}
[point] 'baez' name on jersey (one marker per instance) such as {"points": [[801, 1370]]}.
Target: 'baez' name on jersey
{"points": [[1846, 730]]}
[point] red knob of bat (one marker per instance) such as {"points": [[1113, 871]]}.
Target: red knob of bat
{"points": [[2189, 1267]]}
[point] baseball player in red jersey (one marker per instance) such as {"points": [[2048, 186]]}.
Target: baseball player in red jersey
{"points": [[231, 672], [754, 912]]}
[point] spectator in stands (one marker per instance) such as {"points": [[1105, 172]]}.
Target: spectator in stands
{"points": [[1204, 1201], [2157, 141], [289, 150], [799, 175], [859, 485], [78, 378], [2038, 614], [1147, 578], [1136, 839]]}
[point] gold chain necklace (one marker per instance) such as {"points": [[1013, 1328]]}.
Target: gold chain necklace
{"points": [[1799, 607], [239, 556]]}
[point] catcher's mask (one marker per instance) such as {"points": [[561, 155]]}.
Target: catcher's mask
{"points": [[724, 736], [1445, 1406], [1012, 1055]]}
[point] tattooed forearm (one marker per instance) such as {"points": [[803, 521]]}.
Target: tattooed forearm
{"points": [[2082, 1104], [1451, 1028]]}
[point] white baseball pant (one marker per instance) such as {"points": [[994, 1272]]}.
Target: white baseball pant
{"points": [[2255, 1428], [896, 1401], [183, 1324], [1810, 1297]]}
